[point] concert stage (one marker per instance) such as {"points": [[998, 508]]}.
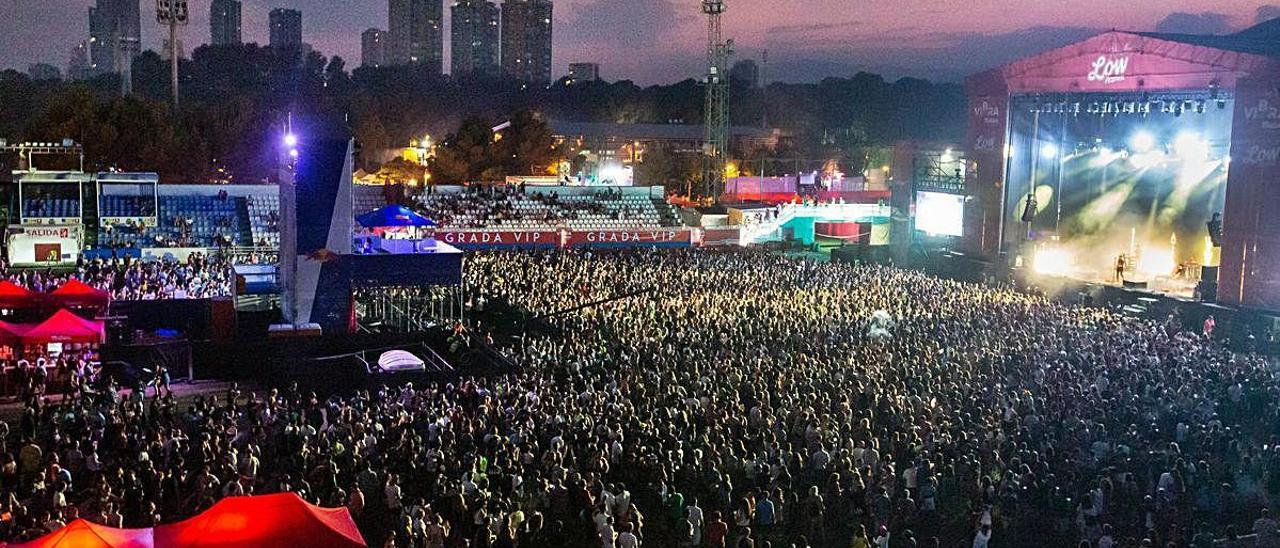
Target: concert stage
{"points": [[1113, 154]]}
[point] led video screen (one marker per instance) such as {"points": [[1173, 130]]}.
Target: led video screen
{"points": [[939, 213]]}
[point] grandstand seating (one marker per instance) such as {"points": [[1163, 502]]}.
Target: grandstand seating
{"points": [[208, 217], [366, 198], [127, 206], [264, 219], [241, 217], [527, 212], [50, 207]]}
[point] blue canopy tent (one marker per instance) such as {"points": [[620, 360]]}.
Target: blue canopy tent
{"points": [[393, 215]]}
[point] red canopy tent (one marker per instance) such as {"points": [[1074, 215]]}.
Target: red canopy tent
{"points": [[84, 534], [282, 519], [11, 333], [75, 293], [15, 296], [65, 326]]}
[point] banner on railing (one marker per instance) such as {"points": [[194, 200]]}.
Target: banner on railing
{"points": [[712, 237], [659, 237], [487, 239], [546, 239]]}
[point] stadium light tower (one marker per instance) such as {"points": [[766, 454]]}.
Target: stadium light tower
{"points": [[716, 110], [172, 13]]}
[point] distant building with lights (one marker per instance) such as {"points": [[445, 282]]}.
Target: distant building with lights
{"points": [[474, 38], [415, 33], [526, 40], [373, 48], [115, 35], [224, 22], [78, 66], [583, 72], [286, 28]]}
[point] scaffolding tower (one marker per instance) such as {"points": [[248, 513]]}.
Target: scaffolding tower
{"points": [[716, 110]]}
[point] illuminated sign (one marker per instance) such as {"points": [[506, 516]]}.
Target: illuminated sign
{"points": [[498, 238], [1108, 70]]}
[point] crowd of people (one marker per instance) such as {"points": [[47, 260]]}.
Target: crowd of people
{"points": [[196, 277], [722, 398]]}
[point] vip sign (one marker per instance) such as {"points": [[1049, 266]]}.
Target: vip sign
{"points": [[987, 112], [1265, 114], [1109, 70]]}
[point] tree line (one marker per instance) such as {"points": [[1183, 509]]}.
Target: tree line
{"points": [[235, 100]]}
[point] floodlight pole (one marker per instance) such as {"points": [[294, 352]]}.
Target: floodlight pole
{"points": [[173, 13], [173, 55]]}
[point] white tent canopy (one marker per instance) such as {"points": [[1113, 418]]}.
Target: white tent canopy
{"points": [[400, 360]]}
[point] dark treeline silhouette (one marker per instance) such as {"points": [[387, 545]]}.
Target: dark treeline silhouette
{"points": [[235, 100]]}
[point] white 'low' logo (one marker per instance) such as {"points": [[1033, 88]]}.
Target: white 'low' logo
{"points": [[1108, 71]]}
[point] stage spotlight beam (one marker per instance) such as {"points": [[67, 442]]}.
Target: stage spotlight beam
{"points": [[1142, 141]]}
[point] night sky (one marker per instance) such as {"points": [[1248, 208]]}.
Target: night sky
{"points": [[662, 41]]}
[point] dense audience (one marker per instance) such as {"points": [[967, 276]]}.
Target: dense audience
{"points": [[198, 276], [746, 399]]}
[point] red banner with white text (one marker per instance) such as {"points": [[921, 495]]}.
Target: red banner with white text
{"points": [[661, 237], [489, 239]]}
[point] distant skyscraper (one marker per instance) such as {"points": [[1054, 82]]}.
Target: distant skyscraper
{"points": [[416, 33], [745, 72], [286, 28], [474, 38], [583, 72], [526, 40], [115, 35], [78, 67], [373, 48], [224, 22]]}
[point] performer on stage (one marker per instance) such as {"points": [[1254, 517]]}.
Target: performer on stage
{"points": [[1120, 265]]}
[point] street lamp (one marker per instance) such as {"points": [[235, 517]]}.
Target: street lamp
{"points": [[172, 13]]}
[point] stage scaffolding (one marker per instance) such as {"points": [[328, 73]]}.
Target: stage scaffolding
{"points": [[408, 308]]}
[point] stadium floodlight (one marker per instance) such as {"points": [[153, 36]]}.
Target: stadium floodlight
{"points": [[1142, 141], [290, 140], [172, 13]]}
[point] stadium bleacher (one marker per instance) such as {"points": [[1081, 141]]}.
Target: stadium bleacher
{"points": [[264, 219], [538, 210], [39, 207], [127, 206], [249, 215], [366, 198], [196, 216]]}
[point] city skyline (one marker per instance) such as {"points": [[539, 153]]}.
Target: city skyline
{"points": [[659, 41], [474, 37]]}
